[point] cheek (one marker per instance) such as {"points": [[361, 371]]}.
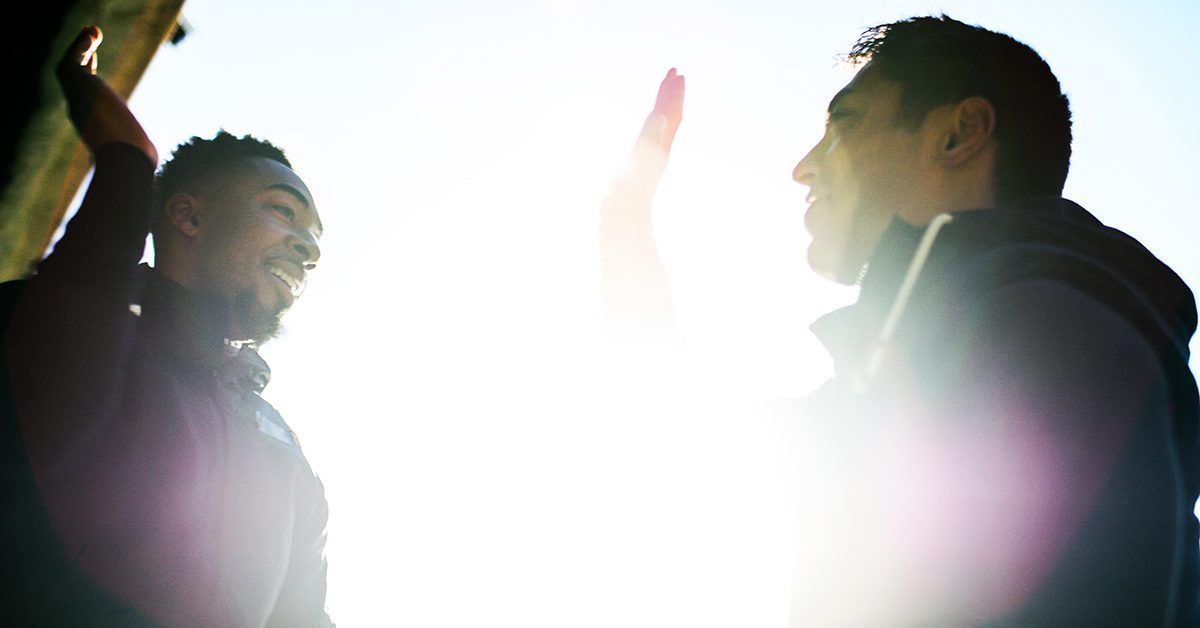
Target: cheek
{"points": [[873, 168], [841, 173], [891, 165], [234, 257]]}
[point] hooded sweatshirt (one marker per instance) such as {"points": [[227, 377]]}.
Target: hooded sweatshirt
{"points": [[1039, 359]]}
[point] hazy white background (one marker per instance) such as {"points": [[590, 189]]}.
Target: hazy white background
{"points": [[439, 371]]}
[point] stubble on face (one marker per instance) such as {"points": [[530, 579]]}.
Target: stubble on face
{"points": [[257, 323], [254, 226], [861, 174]]}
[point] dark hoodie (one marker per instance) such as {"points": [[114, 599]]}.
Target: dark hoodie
{"points": [[1039, 311]]}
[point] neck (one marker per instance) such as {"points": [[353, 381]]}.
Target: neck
{"points": [[967, 201], [220, 311], [170, 266]]}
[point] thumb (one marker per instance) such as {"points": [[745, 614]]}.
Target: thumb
{"points": [[654, 131]]}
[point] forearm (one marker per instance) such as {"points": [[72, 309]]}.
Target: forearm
{"points": [[102, 118], [635, 291]]}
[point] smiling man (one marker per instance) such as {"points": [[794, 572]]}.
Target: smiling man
{"points": [[157, 487], [1010, 437], [261, 229], [1023, 365], [868, 174]]}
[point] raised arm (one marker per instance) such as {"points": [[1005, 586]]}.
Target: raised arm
{"points": [[636, 296], [70, 337], [104, 240]]}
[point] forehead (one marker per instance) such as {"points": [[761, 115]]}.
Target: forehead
{"points": [[257, 173], [253, 177], [868, 88]]}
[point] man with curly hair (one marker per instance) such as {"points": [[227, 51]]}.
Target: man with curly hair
{"points": [[159, 487], [1011, 433]]}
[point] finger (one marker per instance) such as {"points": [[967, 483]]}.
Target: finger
{"points": [[653, 144], [95, 34], [82, 50], [676, 115], [669, 103], [663, 86], [91, 56], [670, 99]]}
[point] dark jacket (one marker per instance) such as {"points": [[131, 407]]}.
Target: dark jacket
{"points": [[1048, 352], [175, 493]]}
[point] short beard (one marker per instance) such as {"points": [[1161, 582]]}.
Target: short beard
{"points": [[257, 324]]}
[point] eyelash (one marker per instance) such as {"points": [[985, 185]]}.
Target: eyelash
{"points": [[285, 210]]}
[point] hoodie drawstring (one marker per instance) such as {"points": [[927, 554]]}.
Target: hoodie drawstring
{"points": [[876, 354]]}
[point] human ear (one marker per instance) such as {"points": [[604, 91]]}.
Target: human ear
{"points": [[972, 125], [183, 211]]}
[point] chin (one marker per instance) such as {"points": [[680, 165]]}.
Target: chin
{"points": [[258, 321], [824, 263]]}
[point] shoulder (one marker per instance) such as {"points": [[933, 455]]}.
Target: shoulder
{"points": [[1036, 311], [1045, 339], [1039, 290], [1051, 312], [272, 426], [125, 156]]}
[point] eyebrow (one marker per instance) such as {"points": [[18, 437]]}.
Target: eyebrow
{"points": [[839, 97], [299, 197], [290, 190]]}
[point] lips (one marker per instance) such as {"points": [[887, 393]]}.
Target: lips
{"points": [[811, 217], [289, 276]]}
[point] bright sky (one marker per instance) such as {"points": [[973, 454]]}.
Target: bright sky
{"points": [[439, 371]]}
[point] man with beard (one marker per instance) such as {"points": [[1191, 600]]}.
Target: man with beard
{"points": [[157, 486], [1010, 437]]}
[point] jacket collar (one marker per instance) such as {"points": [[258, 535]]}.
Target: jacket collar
{"points": [[192, 328], [847, 332]]}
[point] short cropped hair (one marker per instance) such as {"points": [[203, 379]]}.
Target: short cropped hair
{"points": [[939, 60], [197, 159]]}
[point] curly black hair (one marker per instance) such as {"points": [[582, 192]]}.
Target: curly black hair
{"points": [[197, 159], [939, 60]]}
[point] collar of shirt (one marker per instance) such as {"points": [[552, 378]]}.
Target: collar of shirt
{"points": [[192, 327]]}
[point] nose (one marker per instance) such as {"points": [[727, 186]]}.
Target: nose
{"points": [[305, 245], [806, 169]]}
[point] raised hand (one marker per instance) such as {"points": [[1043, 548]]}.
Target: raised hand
{"points": [[635, 294], [76, 72], [634, 189], [81, 58], [99, 113], [658, 133]]}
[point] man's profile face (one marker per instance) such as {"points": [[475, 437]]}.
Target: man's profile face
{"points": [[863, 171], [259, 234]]}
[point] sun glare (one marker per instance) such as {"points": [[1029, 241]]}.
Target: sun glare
{"points": [[487, 459]]}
